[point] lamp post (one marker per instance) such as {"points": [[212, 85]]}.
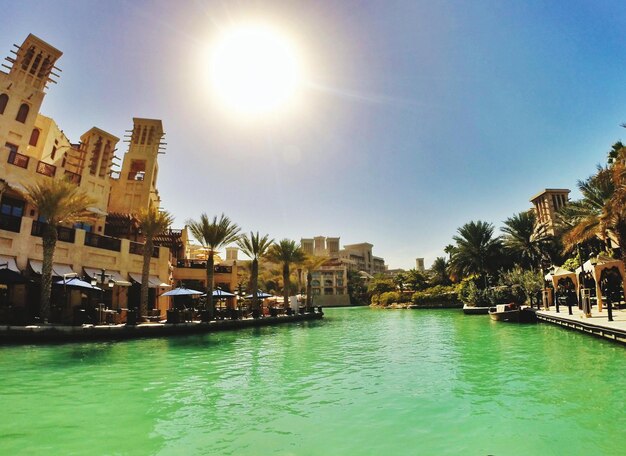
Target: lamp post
{"points": [[65, 276], [103, 281]]}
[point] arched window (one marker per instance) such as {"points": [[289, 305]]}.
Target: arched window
{"points": [[4, 99], [22, 113], [34, 137]]}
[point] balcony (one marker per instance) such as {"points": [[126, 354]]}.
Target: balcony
{"points": [[64, 234], [201, 264], [10, 223], [46, 169], [103, 242], [136, 248], [17, 159]]}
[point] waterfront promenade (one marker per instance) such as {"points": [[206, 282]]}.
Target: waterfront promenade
{"points": [[61, 333], [597, 325]]}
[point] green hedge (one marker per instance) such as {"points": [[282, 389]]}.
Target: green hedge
{"points": [[439, 295]]}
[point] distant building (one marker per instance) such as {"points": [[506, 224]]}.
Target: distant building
{"points": [[360, 258], [419, 264], [330, 280], [547, 203]]}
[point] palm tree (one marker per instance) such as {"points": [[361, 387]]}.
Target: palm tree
{"points": [[598, 214], [526, 240], [152, 222], [439, 272], [311, 263], [286, 252], [255, 247], [476, 251], [57, 202], [213, 234]]}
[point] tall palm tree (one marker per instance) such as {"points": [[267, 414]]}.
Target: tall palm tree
{"points": [[255, 247], [57, 202], [596, 215], [213, 234], [476, 251], [152, 222], [439, 272], [286, 252], [525, 239], [311, 263]]}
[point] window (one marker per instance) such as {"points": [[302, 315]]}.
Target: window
{"points": [[22, 114], [46, 169], [12, 206], [53, 153], [137, 170], [16, 158], [34, 137], [4, 99]]}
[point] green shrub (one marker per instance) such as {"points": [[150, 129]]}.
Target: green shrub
{"points": [[440, 294], [389, 297], [470, 294]]}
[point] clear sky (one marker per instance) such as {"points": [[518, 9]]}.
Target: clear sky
{"points": [[417, 116]]}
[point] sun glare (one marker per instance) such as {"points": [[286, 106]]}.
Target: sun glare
{"points": [[254, 70]]}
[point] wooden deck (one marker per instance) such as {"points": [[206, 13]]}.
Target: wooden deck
{"points": [[57, 333], [596, 325]]}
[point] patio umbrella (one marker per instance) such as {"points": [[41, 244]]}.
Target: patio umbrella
{"points": [[260, 294], [76, 282], [217, 293], [182, 291]]}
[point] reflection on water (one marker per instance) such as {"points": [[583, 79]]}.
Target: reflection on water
{"points": [[360, 382]]}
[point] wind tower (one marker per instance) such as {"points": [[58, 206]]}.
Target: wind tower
{"points": [[22, 89], [135, 188]]}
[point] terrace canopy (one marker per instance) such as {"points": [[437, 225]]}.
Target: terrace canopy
{"points": [[153, 281], [115, 276], [58, 270], [605, 264], [9, 272]]}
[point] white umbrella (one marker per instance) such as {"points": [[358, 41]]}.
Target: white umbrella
{"points": [[182, 291]]}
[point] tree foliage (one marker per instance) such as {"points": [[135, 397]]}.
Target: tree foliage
{"points": [[213, 234], [57, 202]]}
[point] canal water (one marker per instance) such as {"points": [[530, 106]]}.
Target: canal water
{"points": [[361, 382]]}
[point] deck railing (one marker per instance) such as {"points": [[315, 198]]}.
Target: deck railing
{"points": [[103, 242], [64, 234]]}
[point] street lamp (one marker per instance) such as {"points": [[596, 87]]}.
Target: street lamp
{"points": [[103, 281]]}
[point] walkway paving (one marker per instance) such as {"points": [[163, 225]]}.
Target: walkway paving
{"points": [[597, 324], [58, 333]]}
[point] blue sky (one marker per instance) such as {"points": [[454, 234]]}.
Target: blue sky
{"points": [[419, 116]]}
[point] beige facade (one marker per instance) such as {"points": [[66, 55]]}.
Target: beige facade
{"points": [[320, 246], [35, 148], [135, 189], [547, 203], [361, 258], [329, 284]]}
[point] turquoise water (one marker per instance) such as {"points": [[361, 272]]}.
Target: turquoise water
{"points": [[362, 382]]}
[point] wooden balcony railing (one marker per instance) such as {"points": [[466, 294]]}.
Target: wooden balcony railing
{"points": [[103, 242], [65, 234]]}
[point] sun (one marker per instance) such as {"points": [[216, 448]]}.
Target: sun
{"points": [[254, 70]]}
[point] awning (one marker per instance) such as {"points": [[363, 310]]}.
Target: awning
{"points": [[58, 270], [153, 281], [9, 273], [10, 263], [116, 276], [17, 187], [97, 211]]}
